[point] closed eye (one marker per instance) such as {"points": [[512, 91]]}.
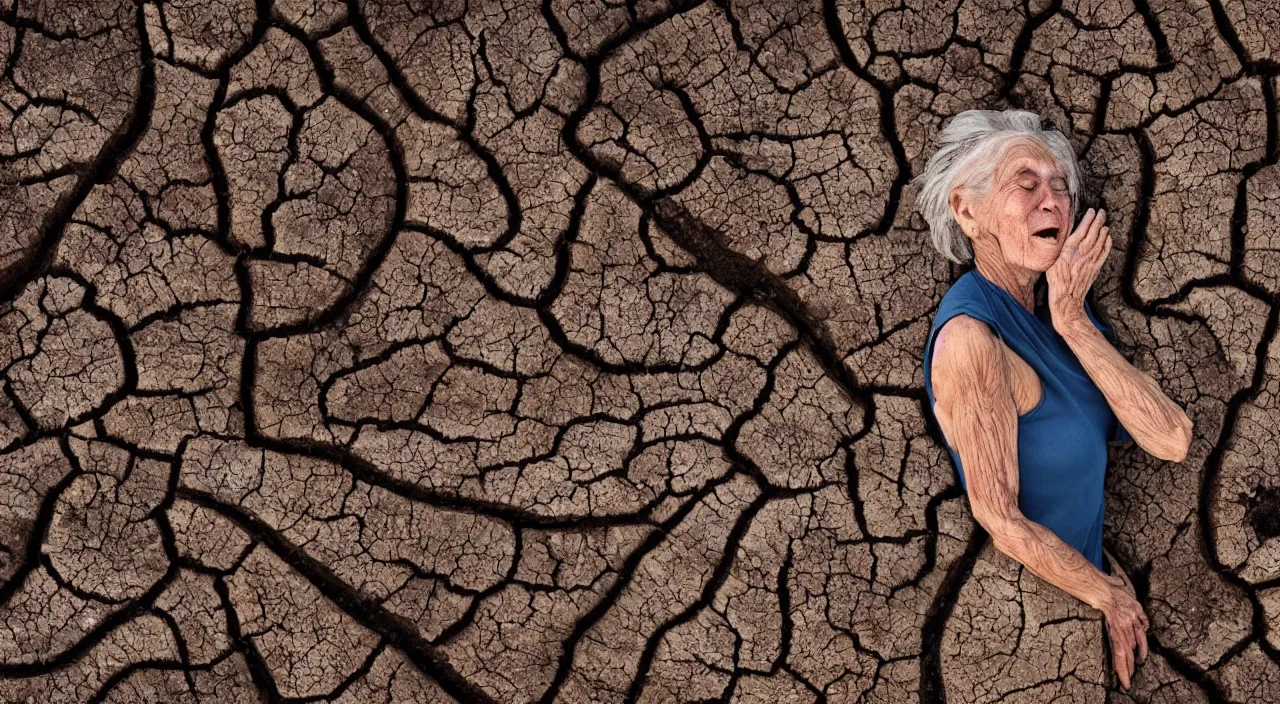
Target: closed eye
{"points": [[1056, 187]]}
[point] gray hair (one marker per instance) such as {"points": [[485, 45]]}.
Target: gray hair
{"points": [[972, 144]]}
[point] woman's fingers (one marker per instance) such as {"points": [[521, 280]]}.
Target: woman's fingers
{"points": [[1119, 649], [1083, 228], [1101, 249], [1128, 662], [1127, 635], [1084, 221], [1088, 219], [1086, 238], [1091, 235], [1126, 628], [1123, 656], [1140, 632], [1091, 228]]}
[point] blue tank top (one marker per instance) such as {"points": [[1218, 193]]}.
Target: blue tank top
{"points": [[1062, 441]]}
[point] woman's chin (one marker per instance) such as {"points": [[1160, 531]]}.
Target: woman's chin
{"points": [[1047, 248], [1045, 263]]}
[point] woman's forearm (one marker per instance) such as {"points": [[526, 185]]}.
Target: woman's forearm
{"points": [[1050, 559], [1156, 423]]}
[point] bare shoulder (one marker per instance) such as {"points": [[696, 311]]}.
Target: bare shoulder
{"points": [[975, 407], [970, 379], [964, 345]]}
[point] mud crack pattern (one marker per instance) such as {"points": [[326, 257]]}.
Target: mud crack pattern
{"points": [[570, 351]]}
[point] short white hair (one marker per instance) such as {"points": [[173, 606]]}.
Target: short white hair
{"points": [[972, 144]]}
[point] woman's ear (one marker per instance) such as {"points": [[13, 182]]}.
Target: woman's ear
{"points": [[961, 203]]}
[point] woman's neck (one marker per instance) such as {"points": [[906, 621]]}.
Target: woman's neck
{"points": [[1019, 282]]}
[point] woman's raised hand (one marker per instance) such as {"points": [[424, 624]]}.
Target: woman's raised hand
{"points": [[1078, 264]]}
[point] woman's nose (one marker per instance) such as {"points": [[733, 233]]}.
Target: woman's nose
{"points": [[1048, 200]]}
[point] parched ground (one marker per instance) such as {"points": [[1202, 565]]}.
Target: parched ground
{"points": [[570, 351]]}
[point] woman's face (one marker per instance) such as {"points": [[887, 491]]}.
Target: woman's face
{"points": [[1028, 195]]}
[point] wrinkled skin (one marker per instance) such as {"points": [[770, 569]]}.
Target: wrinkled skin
{"points": [[975, 392]]}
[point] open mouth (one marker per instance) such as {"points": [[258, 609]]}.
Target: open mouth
{"points": [[1050, 233]]}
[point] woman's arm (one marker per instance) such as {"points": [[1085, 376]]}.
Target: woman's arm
{"points": [[973, 401], [1156, 423]]}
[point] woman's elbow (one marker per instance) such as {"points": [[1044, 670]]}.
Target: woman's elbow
{"points": [[1002, 524], [1177, 442], [1186, 433]]}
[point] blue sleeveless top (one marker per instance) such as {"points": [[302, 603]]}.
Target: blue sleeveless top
{"points": [[1062, 441]]}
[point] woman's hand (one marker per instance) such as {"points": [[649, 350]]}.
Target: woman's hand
{"points": [[1078, 264], [1126, 623]]}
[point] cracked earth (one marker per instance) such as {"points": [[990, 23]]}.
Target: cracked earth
{"points": [[571, 351]]}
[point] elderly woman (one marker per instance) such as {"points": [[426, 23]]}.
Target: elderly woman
{"points": [[1028, 396]]}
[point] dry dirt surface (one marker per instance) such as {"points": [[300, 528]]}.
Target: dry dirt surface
{"points": [[570, 351]]}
